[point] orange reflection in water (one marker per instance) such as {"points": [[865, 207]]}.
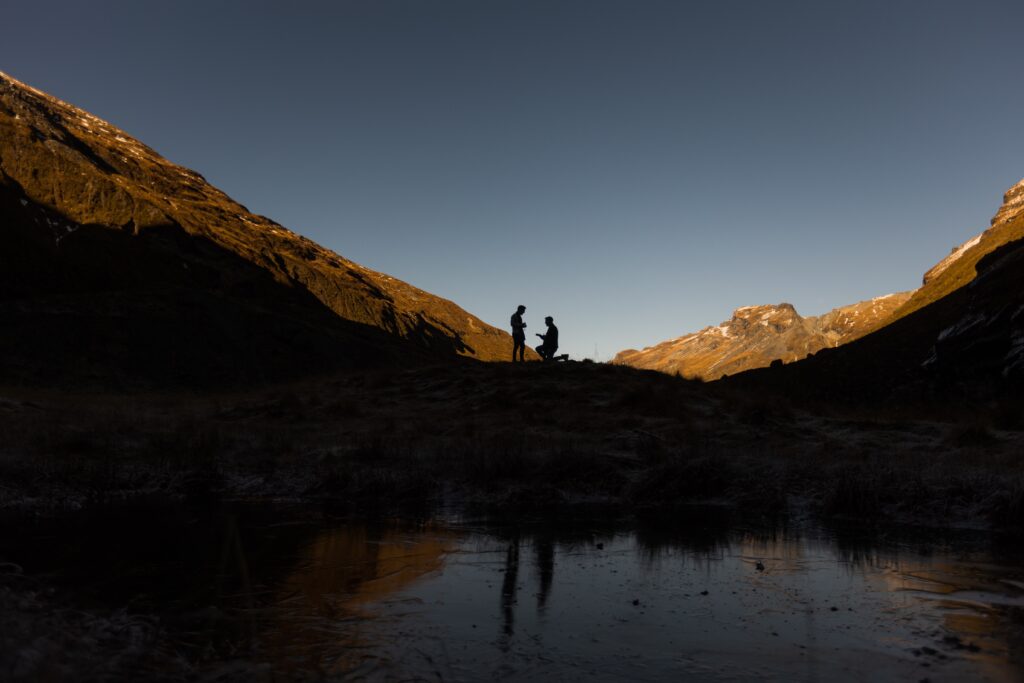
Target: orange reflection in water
{"points": [[980, 612], [320, 622]]}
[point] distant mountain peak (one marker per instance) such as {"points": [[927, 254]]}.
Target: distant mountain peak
{"points": [[755, 336]]}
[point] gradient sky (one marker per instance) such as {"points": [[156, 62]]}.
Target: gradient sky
{"points": [[635, 169]]}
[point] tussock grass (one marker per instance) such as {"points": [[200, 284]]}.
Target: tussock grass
{"points": [[510, 435]]}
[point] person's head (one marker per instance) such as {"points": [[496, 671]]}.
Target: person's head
{"points": [[549, 320], [521, 309]]}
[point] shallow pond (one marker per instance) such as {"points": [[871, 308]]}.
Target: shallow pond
{"points": [[705, 597]]}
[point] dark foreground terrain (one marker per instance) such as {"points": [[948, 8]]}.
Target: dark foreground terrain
{"points": [[518, 442], [515, 436]]}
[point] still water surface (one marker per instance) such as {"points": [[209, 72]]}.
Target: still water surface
{"points": [[705, 597]]}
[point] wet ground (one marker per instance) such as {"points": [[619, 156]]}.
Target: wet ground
{"points": [[259, 591]]}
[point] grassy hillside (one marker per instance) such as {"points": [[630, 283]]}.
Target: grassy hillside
{"points": [[1007, 227]]}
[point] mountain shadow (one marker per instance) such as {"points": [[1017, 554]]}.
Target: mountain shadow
{"points": [[108, 308]]}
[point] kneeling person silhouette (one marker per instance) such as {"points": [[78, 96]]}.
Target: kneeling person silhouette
{"points": [[550, 346]]}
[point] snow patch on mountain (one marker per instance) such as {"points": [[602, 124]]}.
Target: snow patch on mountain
{"points": [[756, 336], [953, 257]]}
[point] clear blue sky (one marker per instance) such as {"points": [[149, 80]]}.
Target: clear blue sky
{"points": [[635, 169]]}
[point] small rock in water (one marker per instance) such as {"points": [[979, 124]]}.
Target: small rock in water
{"points": [[759, 566], [703, 592], [636, 601], [600, 546]]}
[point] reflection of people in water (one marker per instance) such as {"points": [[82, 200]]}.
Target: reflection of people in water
{"points": [[550, 346], [518, 333], [544, 547], [544, 557], [510, 585]]}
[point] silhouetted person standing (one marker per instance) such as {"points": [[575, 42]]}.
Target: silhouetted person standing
{"points": [[518, 334], [550, 346]]}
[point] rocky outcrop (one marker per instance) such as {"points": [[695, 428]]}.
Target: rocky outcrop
{"points": [[756, 336], [782, 335], [97, 227], [1013, 205], [960, 334], [955, 255], [957, 269]]}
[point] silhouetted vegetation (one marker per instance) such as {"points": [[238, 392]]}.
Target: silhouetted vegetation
{"points": [[581, 434]]}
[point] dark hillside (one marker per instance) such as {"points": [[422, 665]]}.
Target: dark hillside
{"points": [[757, 336], [967, 344], [118, 264], [959, 268], [161, 308]]}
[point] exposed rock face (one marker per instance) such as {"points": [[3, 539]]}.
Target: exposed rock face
{"points": [[756, 336], [954, 256], [131, 262], [1013, 205], [962, 333], [957, 269], [735, 345]]}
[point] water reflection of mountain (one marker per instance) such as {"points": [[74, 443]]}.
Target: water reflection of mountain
{"points": [[982, 610], [288, 595], [324, 610], [362, 563]]}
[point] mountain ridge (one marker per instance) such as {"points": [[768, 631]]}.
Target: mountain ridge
{"points": [[69, 177], [709, 354], [961, 334], [959, 267], [756, 336]]}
